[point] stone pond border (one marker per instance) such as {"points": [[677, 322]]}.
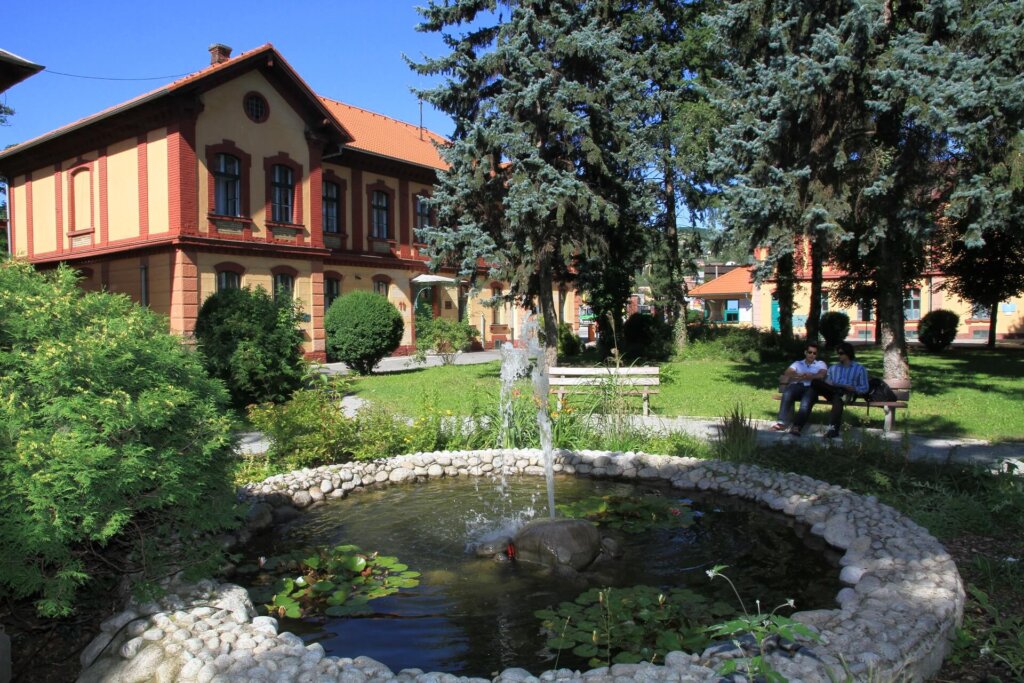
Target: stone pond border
{"points": [[894, 621]]}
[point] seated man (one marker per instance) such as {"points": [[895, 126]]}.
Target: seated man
{"points": [[801, 373], [843, 382]]}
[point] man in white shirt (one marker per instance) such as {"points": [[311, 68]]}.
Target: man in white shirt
{"points": [[801, 374]]}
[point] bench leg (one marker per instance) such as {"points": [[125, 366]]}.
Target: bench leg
{"points": [[647, 405], [890, 419], [561, 400]]}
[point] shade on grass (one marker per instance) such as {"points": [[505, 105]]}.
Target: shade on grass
{"points": [[965, 392]]}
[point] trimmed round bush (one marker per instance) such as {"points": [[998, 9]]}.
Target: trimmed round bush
{"points": [[647, 336], [114, 451], [834, 327], [362, 328], [937, 329], [252, 342]]}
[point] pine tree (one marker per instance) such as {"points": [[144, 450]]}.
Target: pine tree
{"points": [[545, 158]]}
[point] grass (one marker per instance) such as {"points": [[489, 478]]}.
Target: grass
{"points": [[965, 392]]}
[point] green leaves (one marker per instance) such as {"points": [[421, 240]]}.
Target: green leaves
{"points": [[337, 582], [111, 436], [628, 625]]}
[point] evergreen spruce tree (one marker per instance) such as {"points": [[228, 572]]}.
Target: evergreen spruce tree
{"points": [[679, 124], [545, 157], [793, 125]]}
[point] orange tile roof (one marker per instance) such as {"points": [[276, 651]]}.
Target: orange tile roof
{"points": [[384, 136], [736, 281]]}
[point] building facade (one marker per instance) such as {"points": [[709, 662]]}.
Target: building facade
{"points": [[735, 297], [241, 176]]}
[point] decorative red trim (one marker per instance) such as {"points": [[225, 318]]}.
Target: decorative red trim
{"points": [[404, 224], [181, 175], [284, 270], [229, 266], [283, 159], [184, 290], [316, 189], [266, 106], [244, 170], [381, 186], [102, 179], [58, 196], [142, 154], [357, 210], [73, 217]]}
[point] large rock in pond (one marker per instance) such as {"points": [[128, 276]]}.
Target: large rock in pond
{"points": [[558, 543]]}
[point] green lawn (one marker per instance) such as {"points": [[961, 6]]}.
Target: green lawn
{"points": [[964, 392]]}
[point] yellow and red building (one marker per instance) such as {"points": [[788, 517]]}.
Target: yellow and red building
{"points": [[240, 175]]}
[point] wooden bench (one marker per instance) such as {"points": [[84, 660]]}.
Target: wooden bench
{"points": [[637, 381], [900, 387]]}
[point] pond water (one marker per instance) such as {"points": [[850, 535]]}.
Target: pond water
{"points": [[474, 616]]}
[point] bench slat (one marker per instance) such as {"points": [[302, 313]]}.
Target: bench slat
{"points": [[602, 372], [599, 381]]}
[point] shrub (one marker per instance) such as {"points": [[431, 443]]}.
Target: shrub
{"points": [[114, 447], [446, 338], [310, 429], [569, 343], [834, 327], [937, 329], [252, 343], [729, 342], [362, 328], [647, 336]]}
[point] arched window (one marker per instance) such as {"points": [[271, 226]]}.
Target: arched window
{"points": [[282, 186], [227, 178], [284, 281], [381, 284], [332, 288], [380, 215], [229, 276], [332, 208], [422, 212]]}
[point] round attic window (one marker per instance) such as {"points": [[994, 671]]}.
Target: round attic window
{"points": [[256, 107]]}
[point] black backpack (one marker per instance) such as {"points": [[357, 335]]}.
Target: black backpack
{"points": [[879, 391]]}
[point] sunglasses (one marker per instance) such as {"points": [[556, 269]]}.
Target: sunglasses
{"points": [[811, 353]]}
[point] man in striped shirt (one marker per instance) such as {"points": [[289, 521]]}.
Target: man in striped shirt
{"points": [[844, 380]]}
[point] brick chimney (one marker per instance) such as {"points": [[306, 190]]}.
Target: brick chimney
{"points": [[219, 53]]}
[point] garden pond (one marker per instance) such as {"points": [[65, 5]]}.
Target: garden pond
{"points": [[448, 609]]}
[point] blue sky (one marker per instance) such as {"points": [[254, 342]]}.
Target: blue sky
{"points": [[349, 50]]}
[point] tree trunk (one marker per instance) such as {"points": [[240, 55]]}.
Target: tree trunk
{"points": [[545, 285], [993, 313], [817, 277], [890, 310], [672, 238], [784, 294]]}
